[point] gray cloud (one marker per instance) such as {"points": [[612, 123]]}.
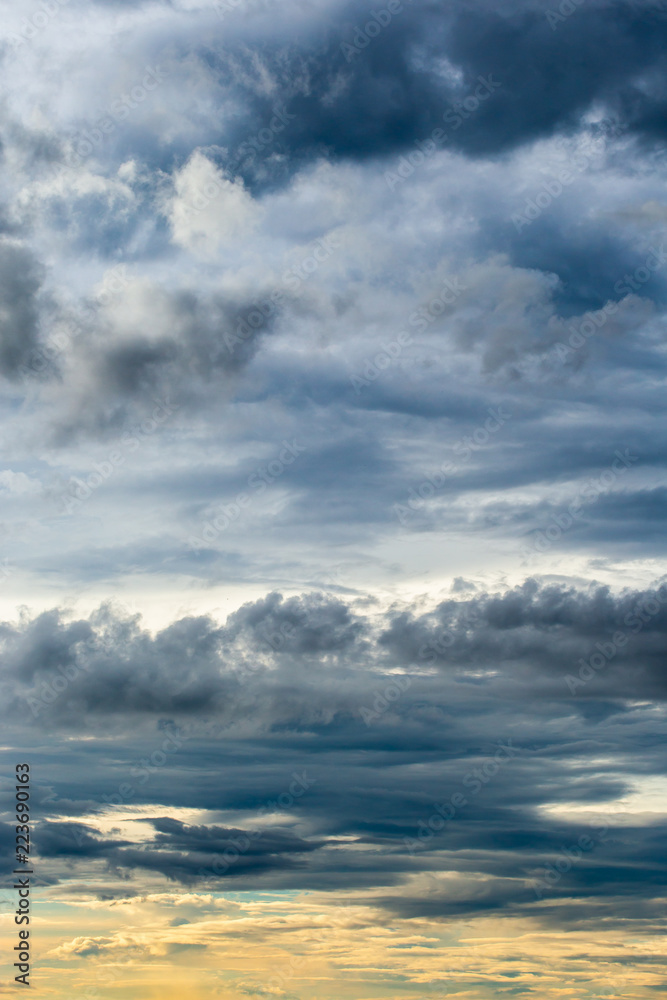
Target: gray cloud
{"points": [[264, 248], [20, 283]]}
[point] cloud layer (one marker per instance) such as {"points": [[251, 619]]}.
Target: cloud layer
{"points": [[331, 590]]}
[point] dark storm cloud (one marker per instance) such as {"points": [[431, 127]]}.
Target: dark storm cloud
{"points": [[348, 93], [554, 868], [72, 840], [186, 869], [298, 625], [590, 261], [177, 851], [382, 95], [537, 635], [383, 777], [8, 843], [121, 369], [72, 650], [553, 73], [625, 523], [531, 711], [21, 278], [385, 801], [206, 347], [547, 629], [192, 666]]}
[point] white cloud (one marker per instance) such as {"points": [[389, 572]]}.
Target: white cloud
{"points": [[207, 210]]}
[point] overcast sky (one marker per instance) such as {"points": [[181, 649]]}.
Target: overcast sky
{"points": [[333, 495]]}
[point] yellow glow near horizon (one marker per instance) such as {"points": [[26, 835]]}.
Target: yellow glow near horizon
{"points": [[317, 946]]}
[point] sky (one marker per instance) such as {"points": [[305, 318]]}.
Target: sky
{"points": [[333, 593]]}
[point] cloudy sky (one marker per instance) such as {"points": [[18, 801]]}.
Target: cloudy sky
{"points": [[333, 595]]}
